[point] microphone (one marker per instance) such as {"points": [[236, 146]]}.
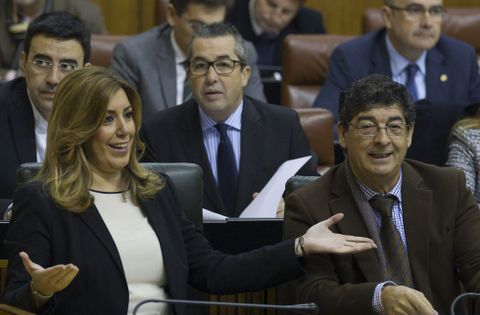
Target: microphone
{"points": [[460, 297], [308, 308]]}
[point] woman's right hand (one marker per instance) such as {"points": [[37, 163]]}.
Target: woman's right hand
{"points": [[47, 281]]}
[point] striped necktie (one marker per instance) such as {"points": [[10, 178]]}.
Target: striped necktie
{"points": [[396, 256], [410, 83]]}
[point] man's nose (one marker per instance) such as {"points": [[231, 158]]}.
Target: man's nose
{"points": [[54, 76]]}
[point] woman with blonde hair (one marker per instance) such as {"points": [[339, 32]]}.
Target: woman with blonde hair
{"points": [[464, 148], [96, 233]]}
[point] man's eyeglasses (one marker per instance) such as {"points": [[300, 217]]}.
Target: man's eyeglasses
{"points": [[221, 66], [415, 11], [45, 66], [394, 129]]}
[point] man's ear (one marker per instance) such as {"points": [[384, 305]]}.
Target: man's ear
{"points": [[171, 14], [387, 16], [341, 130], [22, 61], [410, 135], [246, 75]]}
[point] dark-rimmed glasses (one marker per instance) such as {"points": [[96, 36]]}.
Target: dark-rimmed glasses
{"points": [[221, 66]]}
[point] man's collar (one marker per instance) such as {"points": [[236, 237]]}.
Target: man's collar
{"points": [[370, 193], [41, 123], [234, 120], [399, 62]]}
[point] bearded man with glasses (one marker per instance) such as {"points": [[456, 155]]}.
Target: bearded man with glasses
{"points": [[411, 50], [238, 141], [56, 43], [423, 219]]}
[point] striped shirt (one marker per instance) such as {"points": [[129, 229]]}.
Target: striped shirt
{"points": [[211, 136]]}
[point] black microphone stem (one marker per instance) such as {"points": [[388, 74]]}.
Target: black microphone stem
{"points": [[309, 308]]}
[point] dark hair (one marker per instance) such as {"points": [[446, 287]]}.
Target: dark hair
{"points": [[181, 5], [374, 91], [61, 25], [220, 29]]}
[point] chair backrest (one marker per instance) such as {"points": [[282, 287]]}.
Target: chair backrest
{"points": [[186, 177], [317, 124], [102, 48], [298, 181], [460, 23], [305, 60]]}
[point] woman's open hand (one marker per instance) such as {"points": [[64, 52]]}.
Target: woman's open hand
{"points": [[47, 281]]}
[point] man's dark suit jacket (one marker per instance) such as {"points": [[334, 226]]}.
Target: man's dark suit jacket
{"points": [[17, 135], [53, 235], [307, 21], [270, 135], [442, 227], [368, 54], [85, 10]]}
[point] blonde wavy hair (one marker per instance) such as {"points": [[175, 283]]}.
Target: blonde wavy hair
{"points": [[79, 108]]}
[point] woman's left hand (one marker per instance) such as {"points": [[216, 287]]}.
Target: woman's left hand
{"points": [[320, 240]]}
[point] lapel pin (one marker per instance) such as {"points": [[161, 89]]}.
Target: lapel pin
{"points": [[443, 77]]}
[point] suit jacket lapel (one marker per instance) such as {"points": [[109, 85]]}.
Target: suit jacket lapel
{"points": [[342, 201], [417, 209], [380, 59], [436, 72], [192, 142], [166, 67], [91, 217], [249, 158], [23, 126]]}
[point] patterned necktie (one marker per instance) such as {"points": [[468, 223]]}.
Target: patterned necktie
{"points": [[227, 173], [396, 256], [410, 83]]}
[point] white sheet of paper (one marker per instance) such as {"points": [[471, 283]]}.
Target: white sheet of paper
{"points": [[209, 215], [266, 203]]}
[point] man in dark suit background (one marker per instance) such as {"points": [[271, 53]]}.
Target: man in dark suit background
{"points": [[261, 137], [423, 219], [266, 23], [56, 44], [15, 15], [441, 68], [152, 61]]}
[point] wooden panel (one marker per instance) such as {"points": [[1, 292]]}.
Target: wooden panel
{"points": [[126, 17]]}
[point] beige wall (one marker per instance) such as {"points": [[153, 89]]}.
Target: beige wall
{"points": [[341, 16]]}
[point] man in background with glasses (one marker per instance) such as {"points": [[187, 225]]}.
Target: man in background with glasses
{"points": [[238, 141], [410, 50], [152, 61], [423, 219], [56, 43]]}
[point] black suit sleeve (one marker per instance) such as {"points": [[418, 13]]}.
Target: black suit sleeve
{"points": [[214, 272], [29, 232]]}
